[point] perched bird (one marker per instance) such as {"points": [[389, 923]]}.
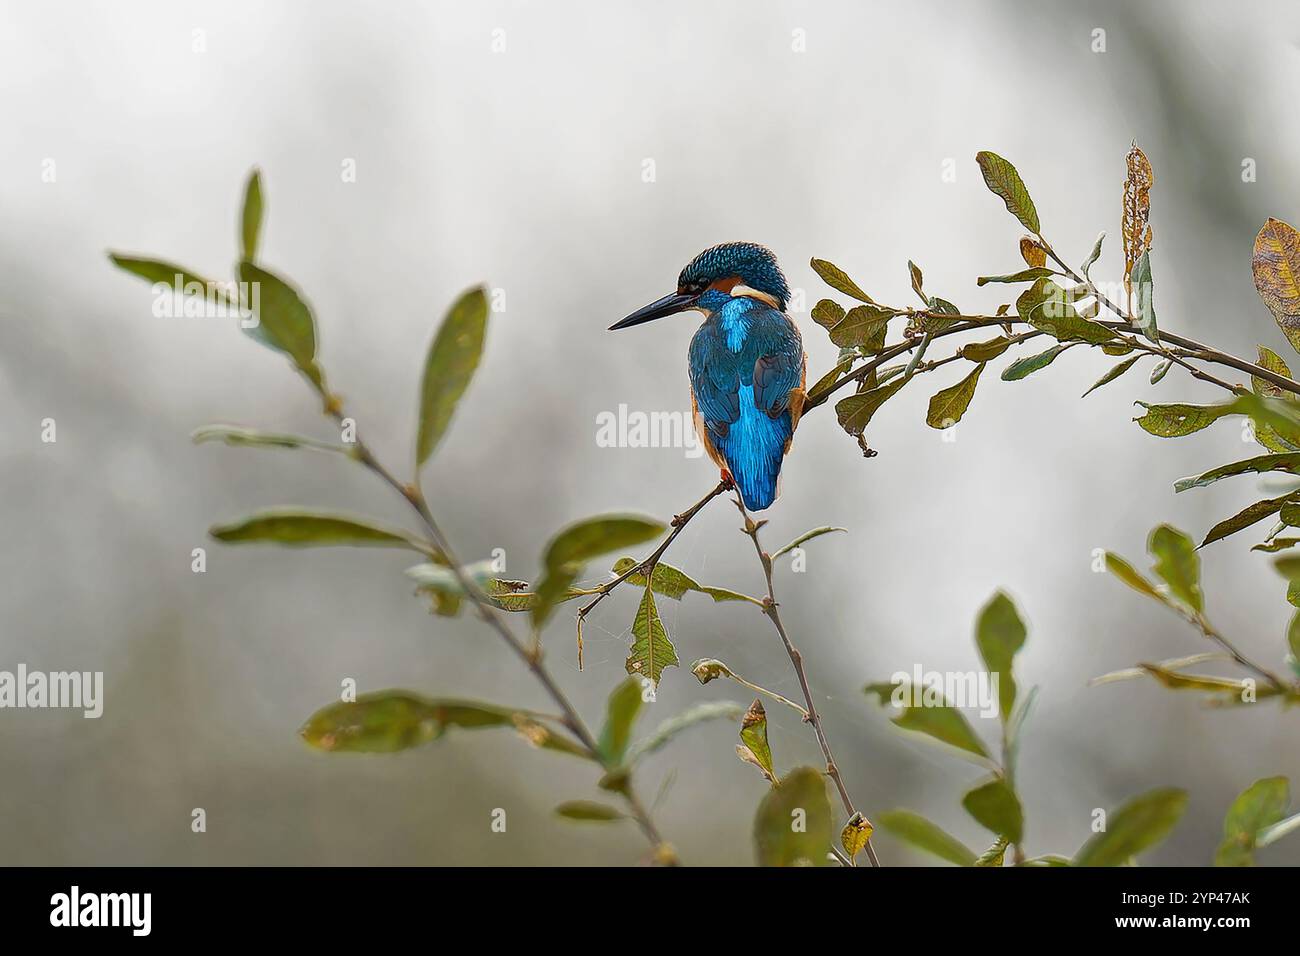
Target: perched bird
{"points": [[747, 364]]}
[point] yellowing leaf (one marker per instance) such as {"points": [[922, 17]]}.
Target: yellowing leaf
{"points": [[1275, 266], [391, 720], [1177, 420], [753, 737], [855, 835]]}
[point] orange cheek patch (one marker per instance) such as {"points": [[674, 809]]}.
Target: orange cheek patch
{"points": [[725, 284]]}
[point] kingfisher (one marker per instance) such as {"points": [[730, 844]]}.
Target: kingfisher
{"points": [[747, 364]]}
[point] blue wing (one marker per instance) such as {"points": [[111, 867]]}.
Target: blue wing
{"points": [[745, 361]]}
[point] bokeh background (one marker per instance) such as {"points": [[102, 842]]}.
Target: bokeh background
{"points": [[523, 169]]}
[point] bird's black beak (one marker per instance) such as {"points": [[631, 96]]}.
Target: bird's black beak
{"points": [[672, 303]]}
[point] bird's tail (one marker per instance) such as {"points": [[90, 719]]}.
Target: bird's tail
{"points": [[754, 448]]}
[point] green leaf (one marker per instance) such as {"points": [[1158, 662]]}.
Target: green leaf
{"points": [[1288, 567], [924, 835], [1113, 373], [793, 825], [985, 351], [577, 544], [1048, 308], [827, 313], [236, 435], [1260, 805], [314, 529], [806, 536], [949, 405], [158, 271], [1094, 255], [1161, 369], [1174, 421], [855, 412], [620, 714], [1293, 639], [1289, 463], [1024, 275], [1245, 518], [391, 720], [838, 279], [754, 747], [670, 728], [592, 537], [448, 368], [674, 583], [995, 807], [1000, 634], [651, 651], [1177, 565], [1143, 287], [1275, 266], [285, 320], [1268, 359], [828, 381], [1136, 826], [1130, 576], [1003, 180], [1022, 367], [934, 716], [589, 811], [251, 220], [860, 326]]}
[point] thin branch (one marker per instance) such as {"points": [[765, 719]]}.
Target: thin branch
{"points": [[569, 715], [647, 566], [770, 609]]}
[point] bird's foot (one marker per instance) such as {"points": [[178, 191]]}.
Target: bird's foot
{"points": [[728, 482]]}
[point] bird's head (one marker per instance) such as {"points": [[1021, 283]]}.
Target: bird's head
{"points": [[717, 274]]}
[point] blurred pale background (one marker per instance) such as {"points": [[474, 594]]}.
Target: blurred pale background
{"points": [[523, 169]]}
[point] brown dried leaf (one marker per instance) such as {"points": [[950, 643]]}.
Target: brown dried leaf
{"points": [[1137, 210], [1035, 256]]}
